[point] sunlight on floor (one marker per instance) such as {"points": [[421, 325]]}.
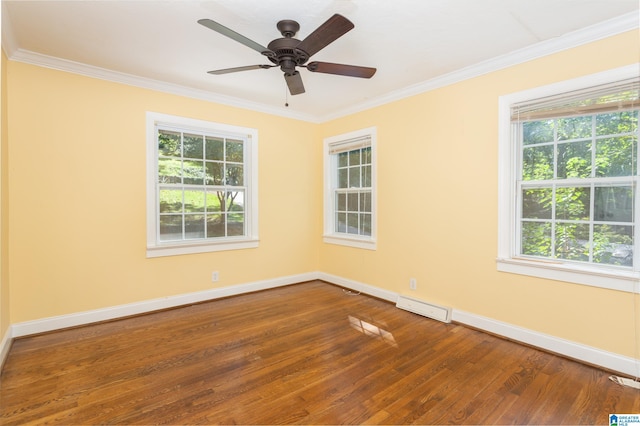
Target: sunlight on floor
{"points": [[371, 330]]}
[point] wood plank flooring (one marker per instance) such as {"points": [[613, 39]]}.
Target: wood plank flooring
{"points": [[310, 353]]}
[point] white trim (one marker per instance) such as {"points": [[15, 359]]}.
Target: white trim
{"points": [[611, 27], [614, 279], [380, 293], [577, 351], [120, 311], [157, 249], [38, 59]]}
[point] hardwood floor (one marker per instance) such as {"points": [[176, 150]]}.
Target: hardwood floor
{"points": [[310, 354]]}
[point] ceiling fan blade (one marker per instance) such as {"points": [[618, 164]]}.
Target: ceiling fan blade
{"points": [[219, 28], [334, 28], [294, 82], [237, 69], [341, 69]]}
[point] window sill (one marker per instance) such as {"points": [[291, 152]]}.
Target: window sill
{"points": [[363, 243], [612, 279], [174, 249]]}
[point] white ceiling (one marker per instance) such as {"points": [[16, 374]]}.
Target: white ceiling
{"points": [[412, 43]]}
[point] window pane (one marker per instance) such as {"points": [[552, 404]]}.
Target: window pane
{"points": [[537, 163], [215, 225], [366, 176], [235, 224], [193, 172], [615, 156], [235, 175], [193, 201], [613, 245], [352, 223], [169, 170], [365, 224], [365, 202], [572, 241], [170, 227], [343, 159], [617, 123], [170, 200], [234, 151], [341, 201], [192, 146], [235, 201], [341, 222], [536, 239], [343, 178], [194, 226], [574, 127], [215, 201], [366, 155], [613, 204], [354, 157], [352, 202], [215, 171], [573, 203], [168, 143], [574, 160], [537, 203], [354, 177], [537, 132], [214, 149]]}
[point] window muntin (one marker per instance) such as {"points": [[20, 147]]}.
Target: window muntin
{"points": [[577, 187], [350, 217], [202, 185], [353, 192]]}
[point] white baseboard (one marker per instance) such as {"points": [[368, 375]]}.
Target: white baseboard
{"points": [[5, 345], [378, 292], [577, 351], [82, 318], [580, 352]]}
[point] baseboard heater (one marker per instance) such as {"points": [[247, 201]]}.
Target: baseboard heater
{"points": [[420, 307]]}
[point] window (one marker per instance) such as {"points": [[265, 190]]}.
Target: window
{"points": [[569, 174], [201, 186], [350, 196]]}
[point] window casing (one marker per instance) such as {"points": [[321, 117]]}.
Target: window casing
{"points": [[568, 204], [350, 189], [201, 186]]}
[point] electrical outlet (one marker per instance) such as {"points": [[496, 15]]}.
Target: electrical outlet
{"points": [[413, 284], [215, 276]]}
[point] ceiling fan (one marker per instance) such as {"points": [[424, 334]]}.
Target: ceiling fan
{"points": [[288, 52]]}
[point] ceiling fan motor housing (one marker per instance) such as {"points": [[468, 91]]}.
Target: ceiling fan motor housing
{"points": [[287, 55]]}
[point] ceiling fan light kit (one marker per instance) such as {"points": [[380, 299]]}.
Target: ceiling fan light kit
{"points": [[288, 52]]}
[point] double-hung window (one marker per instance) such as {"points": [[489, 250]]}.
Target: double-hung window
{"points": [[201, 186], [350, 193], [572, 192]]}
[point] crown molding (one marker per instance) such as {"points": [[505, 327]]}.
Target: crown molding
{"points": [[38, 59], [611, 27]]}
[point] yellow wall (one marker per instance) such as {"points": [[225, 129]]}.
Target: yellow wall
{"points": [[438, 199], [76, 196]]}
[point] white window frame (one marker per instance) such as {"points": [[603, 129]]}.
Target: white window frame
{"points": [[507, 259], [330, 236], [157, 248]]}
